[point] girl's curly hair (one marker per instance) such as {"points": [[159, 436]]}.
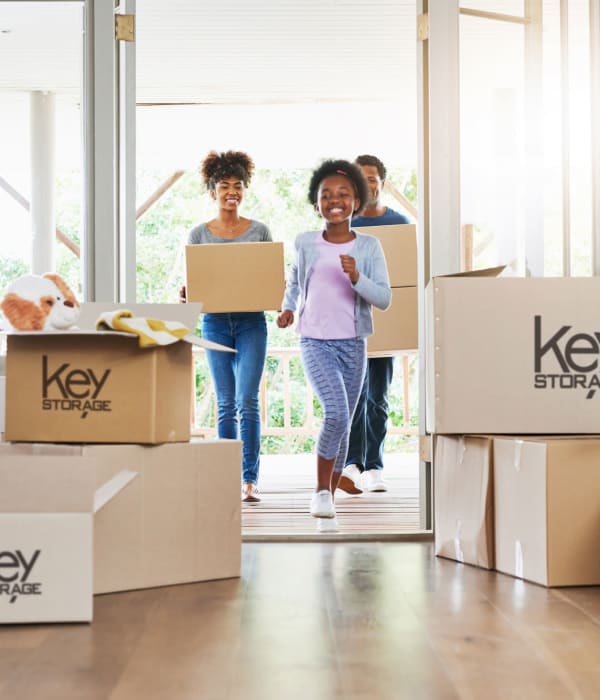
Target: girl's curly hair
{"points": [[340, 167], [217, 166]]}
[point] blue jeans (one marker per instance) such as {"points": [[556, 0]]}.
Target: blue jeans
{"points": [[369, 424], [237, 378]]}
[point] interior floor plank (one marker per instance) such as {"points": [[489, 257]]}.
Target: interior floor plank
{"points": [[345, 620]]}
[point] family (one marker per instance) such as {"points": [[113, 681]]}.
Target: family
{"points": [[338, 274]]}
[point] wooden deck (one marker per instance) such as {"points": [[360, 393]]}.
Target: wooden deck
{"points": [[286, 485]]}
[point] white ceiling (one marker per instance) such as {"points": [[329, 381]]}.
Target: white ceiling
{"points": [[239, 51]]}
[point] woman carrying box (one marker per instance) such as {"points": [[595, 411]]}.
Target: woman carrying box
{"points": [[236, 376]]}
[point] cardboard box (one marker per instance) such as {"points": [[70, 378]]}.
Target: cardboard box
{"points": [[399, 243], [235, 277], [2, 392], [513, 356], [463, 500], [547, 509], [2, 405], [178, 522], [396, 330], [79, 386], [46, 518], [96, 387]]}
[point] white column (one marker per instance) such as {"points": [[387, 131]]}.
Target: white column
{"points": [[444, 136], [534, 140], [99, 241], [43, 149]]}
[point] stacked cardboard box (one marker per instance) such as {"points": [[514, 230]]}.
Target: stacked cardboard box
{"points": [[513, 401], [2, 391], [396, 329], [76, 404]]}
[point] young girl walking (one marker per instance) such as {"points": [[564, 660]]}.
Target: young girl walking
{"points": [[236, 377], [338, 274]]}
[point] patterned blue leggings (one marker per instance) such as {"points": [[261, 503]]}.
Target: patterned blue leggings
{"points": [[336, 370]]}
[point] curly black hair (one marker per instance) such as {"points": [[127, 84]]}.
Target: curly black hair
{"points": [[217, 166], [340, 167], [372, 160]]}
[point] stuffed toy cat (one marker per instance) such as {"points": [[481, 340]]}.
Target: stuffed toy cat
{"points": [[40, 303]]}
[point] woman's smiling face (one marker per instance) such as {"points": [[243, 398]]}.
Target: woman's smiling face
{"points": [[336, 199], [228, 192]]}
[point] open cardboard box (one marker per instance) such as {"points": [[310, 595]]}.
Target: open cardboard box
{"points": [[512, 355], [47, 508], [100, 386], [167, 527]]}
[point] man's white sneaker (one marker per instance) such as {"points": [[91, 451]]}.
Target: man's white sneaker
{"points": [[350, 480], [327, 525], [374, 480], [321, 505]]}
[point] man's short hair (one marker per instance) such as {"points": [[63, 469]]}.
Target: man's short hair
{"points": [[372, 160]]}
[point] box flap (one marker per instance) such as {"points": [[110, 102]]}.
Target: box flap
{"points": [[78, 333], [183, 313], [520, 508], [464, 503], [483, 272], [112, 487], [207, 344], [48, 484]]}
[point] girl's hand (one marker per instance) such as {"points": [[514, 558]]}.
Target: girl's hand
{"points": [[285, 318], [182, 295], [349, 267]]}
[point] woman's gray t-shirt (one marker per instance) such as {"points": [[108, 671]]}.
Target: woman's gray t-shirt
{"points": [[257, 231]]}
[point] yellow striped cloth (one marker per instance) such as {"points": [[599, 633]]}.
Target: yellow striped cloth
{"points": [[150, 331]]}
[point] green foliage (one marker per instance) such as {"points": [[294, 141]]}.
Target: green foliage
{"points": [[10, 269]]}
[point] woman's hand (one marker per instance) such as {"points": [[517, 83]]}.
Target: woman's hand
{"points": [[285, 318], [182, 295], [349, 267]]}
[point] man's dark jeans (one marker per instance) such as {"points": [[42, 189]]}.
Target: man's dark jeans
{"points": [[369, 424]]}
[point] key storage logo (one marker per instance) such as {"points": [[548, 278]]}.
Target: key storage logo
{"points": [[566, 360], [15, 570], [68, 388]]}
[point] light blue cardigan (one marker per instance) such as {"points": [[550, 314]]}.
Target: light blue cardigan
{"points": [[372, 288]]}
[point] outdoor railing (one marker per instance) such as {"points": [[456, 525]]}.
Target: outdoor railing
{"points": [[279, 381]]}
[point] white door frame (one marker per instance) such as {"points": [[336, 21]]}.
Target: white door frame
{"points": [[438, 178], [439, 227], [108, 240]]}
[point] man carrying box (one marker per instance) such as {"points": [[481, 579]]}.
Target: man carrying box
{"points": [[369, 425]]}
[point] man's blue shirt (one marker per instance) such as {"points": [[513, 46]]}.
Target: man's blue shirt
{"points": [[390, 217]]}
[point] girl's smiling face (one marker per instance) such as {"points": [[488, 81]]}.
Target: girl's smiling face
{"points": [[336, 199], [228, 192]]}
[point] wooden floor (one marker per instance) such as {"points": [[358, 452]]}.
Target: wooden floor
{"points": [[326, 621], [287, 483]]}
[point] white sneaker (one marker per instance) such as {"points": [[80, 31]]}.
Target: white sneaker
{"points": [[374, 479], [327, 525], [321, 505], [350, 480]]}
